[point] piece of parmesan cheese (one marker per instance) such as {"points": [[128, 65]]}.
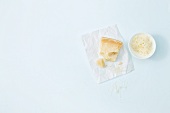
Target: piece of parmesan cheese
{"points": [[100, 62]]}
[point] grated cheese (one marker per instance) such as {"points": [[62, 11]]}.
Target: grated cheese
{"points": [[141, 44]]}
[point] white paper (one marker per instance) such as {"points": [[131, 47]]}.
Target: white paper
{"points": [[121, 66]]}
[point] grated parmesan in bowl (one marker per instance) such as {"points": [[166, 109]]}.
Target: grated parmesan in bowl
{"points": [[142, 45]]}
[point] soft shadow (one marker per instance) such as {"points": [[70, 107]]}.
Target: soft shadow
{"points": [[161, 48]]}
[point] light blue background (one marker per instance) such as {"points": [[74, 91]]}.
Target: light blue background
{"points": [[44, 68]]}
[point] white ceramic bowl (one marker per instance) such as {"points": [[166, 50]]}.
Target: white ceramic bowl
{"points": [[138, 56]]}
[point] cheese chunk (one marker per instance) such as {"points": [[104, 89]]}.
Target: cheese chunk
{"points": [[100, 62], [109, 48]]}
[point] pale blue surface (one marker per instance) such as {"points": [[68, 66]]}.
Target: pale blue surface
{"points": [[43, 65]]}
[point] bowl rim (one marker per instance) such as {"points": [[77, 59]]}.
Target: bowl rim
{"points": [[153, 41]]}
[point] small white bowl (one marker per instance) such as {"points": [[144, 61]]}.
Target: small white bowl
{"points": [[139, 56]]}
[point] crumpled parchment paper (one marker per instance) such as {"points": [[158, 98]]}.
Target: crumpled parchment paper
{"points": [[121, 66]]}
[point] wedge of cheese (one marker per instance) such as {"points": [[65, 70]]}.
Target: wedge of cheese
{"points": [[109, 48]]}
